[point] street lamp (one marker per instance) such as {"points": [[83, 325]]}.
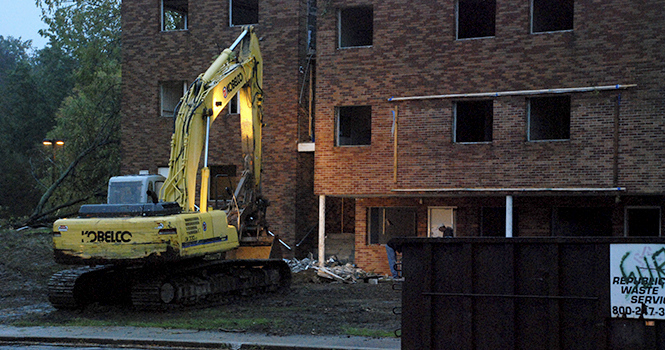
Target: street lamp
{"points": [[53, 143]]}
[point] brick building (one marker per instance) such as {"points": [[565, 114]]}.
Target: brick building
{"points": [[522, 118], [168, 43], [493, 117]]}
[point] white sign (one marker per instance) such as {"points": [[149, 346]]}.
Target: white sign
{"points": [[637, 281]]}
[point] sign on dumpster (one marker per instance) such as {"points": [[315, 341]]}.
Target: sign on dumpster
{"points": [[637, 281]]}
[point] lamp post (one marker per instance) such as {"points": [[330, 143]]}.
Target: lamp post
{"points": [[53, 143]]}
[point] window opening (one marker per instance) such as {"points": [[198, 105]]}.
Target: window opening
{"points": [[493, 221], [391, 222], [354, 125], [174, 15], [311, 26], [549, 118], [475, 18], [221, 178], [356, 27], [551, 15], [642, 221], [234, 107], [170, 94], [441, 221], [243, 12], [473, 121], [581, 222]]}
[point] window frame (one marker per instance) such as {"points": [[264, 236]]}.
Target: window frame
{"points": [[338, 127], [438, 215], [161, 96], [457, 23], [185, 17], [231, 24], [456, 123], [233, 107], [532, 19], [529, 122], [340, 31], [227, 174]]}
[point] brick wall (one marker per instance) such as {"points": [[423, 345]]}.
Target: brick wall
{"points": [[151, 56], [415, 53]]}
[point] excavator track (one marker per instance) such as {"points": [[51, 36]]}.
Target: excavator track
{"points": [[209, 282], [75, 288], [162, 287]]}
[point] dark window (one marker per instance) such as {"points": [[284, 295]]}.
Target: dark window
{"points": [[493, 222], [311, 25], [475, 18], [221, 178], [643, 222], [549, 118], [244, 12], [581, 222], [234, 108], [473, 121], [354, 126], [388, 223], [174, 14], [551, 15], [170, 93], [356, 26]]}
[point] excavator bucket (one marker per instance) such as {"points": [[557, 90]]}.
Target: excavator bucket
{"points": [[262, 248]]}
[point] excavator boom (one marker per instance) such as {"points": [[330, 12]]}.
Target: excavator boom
{"points": [[229, 75]]}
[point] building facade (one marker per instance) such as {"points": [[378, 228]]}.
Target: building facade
{"points": [[492, 117]]}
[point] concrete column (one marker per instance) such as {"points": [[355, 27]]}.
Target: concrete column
{"points": [[322, 230], [509, 216]]}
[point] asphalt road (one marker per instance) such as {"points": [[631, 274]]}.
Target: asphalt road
{"points": [[51, 347]]}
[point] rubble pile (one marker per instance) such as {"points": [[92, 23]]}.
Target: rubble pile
{"points": [[333, 270]]}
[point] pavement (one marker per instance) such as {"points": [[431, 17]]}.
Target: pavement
{"points": [[160, 337]]}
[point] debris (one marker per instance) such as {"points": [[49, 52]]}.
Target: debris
{"points": [[333, 270], [324, 272]]}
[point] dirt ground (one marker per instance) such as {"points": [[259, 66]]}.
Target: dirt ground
{"points": [[311, 306]]}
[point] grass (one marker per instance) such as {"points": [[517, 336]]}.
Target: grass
{"points": [[206, 319], [364, 332], [28, 252]]}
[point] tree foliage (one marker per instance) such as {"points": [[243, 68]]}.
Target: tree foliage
{"points": [[88, 119], [25, 117], [69, 90]]}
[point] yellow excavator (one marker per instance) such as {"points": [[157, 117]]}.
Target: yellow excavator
{"points": [[156, 250]]}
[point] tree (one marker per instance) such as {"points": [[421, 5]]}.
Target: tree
{"points": [[24, 120], [88, 32]]}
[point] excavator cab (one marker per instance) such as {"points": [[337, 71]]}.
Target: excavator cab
{"points": [[132, 189]]}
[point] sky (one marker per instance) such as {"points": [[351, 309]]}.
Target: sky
{"points": [[22, 18]]}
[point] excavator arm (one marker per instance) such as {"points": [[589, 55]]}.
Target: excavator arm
{"points": [[239, 69]]}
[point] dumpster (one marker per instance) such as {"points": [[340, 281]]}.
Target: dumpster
{"points": [[533, 293]]}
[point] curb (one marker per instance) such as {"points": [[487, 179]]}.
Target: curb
{"points": [[203, 343]]}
